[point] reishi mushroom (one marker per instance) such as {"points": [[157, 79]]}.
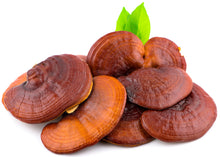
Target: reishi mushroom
{"points": [[157, 88], [129, 131], [163, 102], [93, 120], [51, 87], [116, 54], [188, 120], [163, 52]]}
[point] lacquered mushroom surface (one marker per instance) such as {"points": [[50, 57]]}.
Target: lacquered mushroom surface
{"points": [[93, 120], [157, 88], [51, 87], [116, 54], [163, 52], [129, 131], [188, 120]]}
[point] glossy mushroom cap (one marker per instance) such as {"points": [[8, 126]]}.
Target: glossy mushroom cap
{"points": [[116, 54], [188, 120], [163, 52], [157, 88], [129, 131], [51, 87], [93, 120]]}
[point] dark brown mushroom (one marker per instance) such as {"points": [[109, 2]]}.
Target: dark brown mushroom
{"points": [[157, 88], [163, 52], [48, 89], [129, 131], [116, 54], [188, 120], [92, 121]]}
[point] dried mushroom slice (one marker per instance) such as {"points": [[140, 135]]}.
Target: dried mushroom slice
{"points": [[48, 89], [129, 131], [188, 120], [116, 54], [92, 121], [157, 88], [163, 52]]}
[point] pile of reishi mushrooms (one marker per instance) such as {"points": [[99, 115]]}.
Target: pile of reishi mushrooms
{"points": [[122, 92]]}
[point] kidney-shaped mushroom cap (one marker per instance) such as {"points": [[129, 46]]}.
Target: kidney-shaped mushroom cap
{"points": [[129, 131], [163, 52], [188, 120], [51, 87], [116, 54], [157, 88], [93, 120]]}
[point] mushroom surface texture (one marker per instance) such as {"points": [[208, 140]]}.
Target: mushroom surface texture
{"points": [[48, 89], [157, 88], [129, 131], [188, 120], [116, 54], [163, 52], [21, 79], [93, 120]]}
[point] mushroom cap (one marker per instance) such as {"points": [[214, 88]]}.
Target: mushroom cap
{"points": [[188, 120], [116, 54], [51, 87], [163, 52], [93, 120], [157, 88], [129, 131]]}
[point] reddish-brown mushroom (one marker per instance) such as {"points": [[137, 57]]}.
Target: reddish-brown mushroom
{"points": [[116, 54], [129, 131], [157, 88], [188, 120], [163, 52], [49, 88], [92, 121]]}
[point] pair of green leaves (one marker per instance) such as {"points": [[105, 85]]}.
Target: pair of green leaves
{"points": [[137, 22]]}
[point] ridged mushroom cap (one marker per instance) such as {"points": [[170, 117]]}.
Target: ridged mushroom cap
{"points": [[188, 120], [163, 52], [116, 54], [157, 88], [48, 89], [92, 121]]}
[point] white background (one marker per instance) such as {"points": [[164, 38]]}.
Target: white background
{"points": [[31, 31]]}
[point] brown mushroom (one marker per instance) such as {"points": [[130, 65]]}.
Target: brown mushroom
{"points": [[188, 120], [93, 120], [157, 88], [116, 54], [163, 52], [129, 131], [51, 87]]}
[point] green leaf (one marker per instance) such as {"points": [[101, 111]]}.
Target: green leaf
{"points": [[122, 20], [138, 22]]}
